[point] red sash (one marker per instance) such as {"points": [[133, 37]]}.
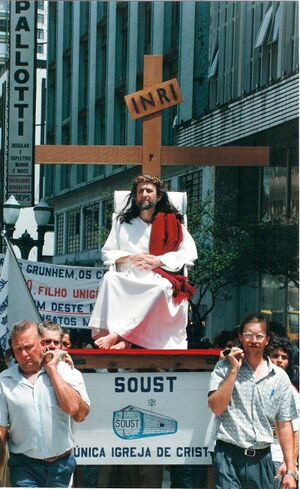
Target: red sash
{"points": [[166, 236]]}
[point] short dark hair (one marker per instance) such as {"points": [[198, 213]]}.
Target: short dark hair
{"points": [[284, 344], [255, 317]]}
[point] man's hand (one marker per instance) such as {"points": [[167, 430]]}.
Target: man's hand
{"points": [[144, 261], [51, 359], [281, 471], [235, 358], [288, 482]]}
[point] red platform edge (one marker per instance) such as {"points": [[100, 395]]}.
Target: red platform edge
{"points": [[139, 351]]}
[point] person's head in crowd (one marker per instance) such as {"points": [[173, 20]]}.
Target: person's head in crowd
{"points": [[66, 342], [277, 329], [222, 338], [256, 323], [234, 338], [205, 343], [25, 342], [280, 352], [51, 335], [255, 317]]}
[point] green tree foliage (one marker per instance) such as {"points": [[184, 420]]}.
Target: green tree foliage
{"points": [[234, 252]]}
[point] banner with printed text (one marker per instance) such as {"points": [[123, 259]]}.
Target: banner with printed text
{"points": [[63, 294], [146, 418]]}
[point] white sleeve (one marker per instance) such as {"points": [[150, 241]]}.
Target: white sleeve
{"points": [[111, 249], [74, 378]]}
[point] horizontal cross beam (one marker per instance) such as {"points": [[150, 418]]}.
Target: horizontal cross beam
{"points": [[170, 155]]}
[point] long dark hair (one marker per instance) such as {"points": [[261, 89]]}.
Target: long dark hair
{"points": [[131, 209]]}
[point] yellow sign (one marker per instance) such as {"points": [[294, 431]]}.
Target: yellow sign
{"points": [[153, 99]]}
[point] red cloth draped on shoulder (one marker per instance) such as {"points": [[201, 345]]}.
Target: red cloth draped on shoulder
{"points": [[166, 235]]}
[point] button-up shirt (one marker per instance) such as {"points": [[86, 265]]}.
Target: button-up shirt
{"points": [[254, 405], [37, 425]]}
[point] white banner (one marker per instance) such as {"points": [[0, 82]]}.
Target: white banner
{"points": [[21, 129], [63, 294], [145, 418]]}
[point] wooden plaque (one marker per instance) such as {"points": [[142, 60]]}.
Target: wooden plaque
{"points": [[153, 99]]}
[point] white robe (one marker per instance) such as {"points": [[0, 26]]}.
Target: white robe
{"points": [[138, 305]]}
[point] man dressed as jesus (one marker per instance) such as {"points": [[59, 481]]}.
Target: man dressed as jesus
{"points": [[145, 301]]}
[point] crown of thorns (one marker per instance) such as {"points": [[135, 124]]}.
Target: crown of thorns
{"points": [[149, 178]]}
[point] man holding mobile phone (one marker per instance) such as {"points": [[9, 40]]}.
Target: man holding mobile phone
{"points": [[248, 393]]}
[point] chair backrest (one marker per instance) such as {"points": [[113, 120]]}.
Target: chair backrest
{"points": [[178, 199]]}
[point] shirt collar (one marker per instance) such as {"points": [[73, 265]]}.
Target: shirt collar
{"points": [[15, 373]]}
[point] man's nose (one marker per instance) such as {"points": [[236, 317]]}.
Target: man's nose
{"points": [[24, 353]]}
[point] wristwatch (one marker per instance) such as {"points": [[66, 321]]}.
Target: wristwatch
{"points": [[292, 474]]}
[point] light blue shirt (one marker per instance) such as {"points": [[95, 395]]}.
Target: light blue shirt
{"points": [[37, 426], [255, 405]]}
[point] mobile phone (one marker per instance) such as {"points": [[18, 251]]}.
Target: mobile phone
{"points": [[226, 352]]}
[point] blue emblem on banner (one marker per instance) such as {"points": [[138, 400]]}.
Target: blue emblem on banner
{"points": [[132, 422]]}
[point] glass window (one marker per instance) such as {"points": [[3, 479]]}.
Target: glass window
{"points": [[73, 230], [273, 298], [275, 192], [147, 28], [107, 211], [3, 49], [40, 48], [294, 194], [40, 18], [293, 313], [213, 69], [91, 227], [175, 24], [59, 233], [3, 24], [277, 20], [65, 176], [192, 185], [264, 27]]}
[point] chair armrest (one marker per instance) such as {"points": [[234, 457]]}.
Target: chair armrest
{"points": [[187, 266], [111, 265]]}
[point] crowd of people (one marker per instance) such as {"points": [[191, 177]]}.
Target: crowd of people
{"points": [[252, 401]]}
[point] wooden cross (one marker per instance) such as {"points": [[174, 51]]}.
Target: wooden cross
{"points": [[152, 154]]}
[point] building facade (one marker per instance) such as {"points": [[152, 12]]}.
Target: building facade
{"points": [[96, 56], [253, 100], [26, 220], [237, 66]]}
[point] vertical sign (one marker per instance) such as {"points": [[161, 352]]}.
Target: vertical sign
{"points": [[21, 125]]}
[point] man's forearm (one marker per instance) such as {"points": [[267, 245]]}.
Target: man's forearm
{"points": [[82, 413], [286, 440], [219, 399]]}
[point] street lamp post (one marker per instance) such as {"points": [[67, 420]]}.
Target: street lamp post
{"points": [[42, 214]]}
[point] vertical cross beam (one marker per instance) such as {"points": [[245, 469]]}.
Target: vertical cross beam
{"points": [[152, 124]]}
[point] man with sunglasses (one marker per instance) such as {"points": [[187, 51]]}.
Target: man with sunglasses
{"points": [[248, 394]]}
